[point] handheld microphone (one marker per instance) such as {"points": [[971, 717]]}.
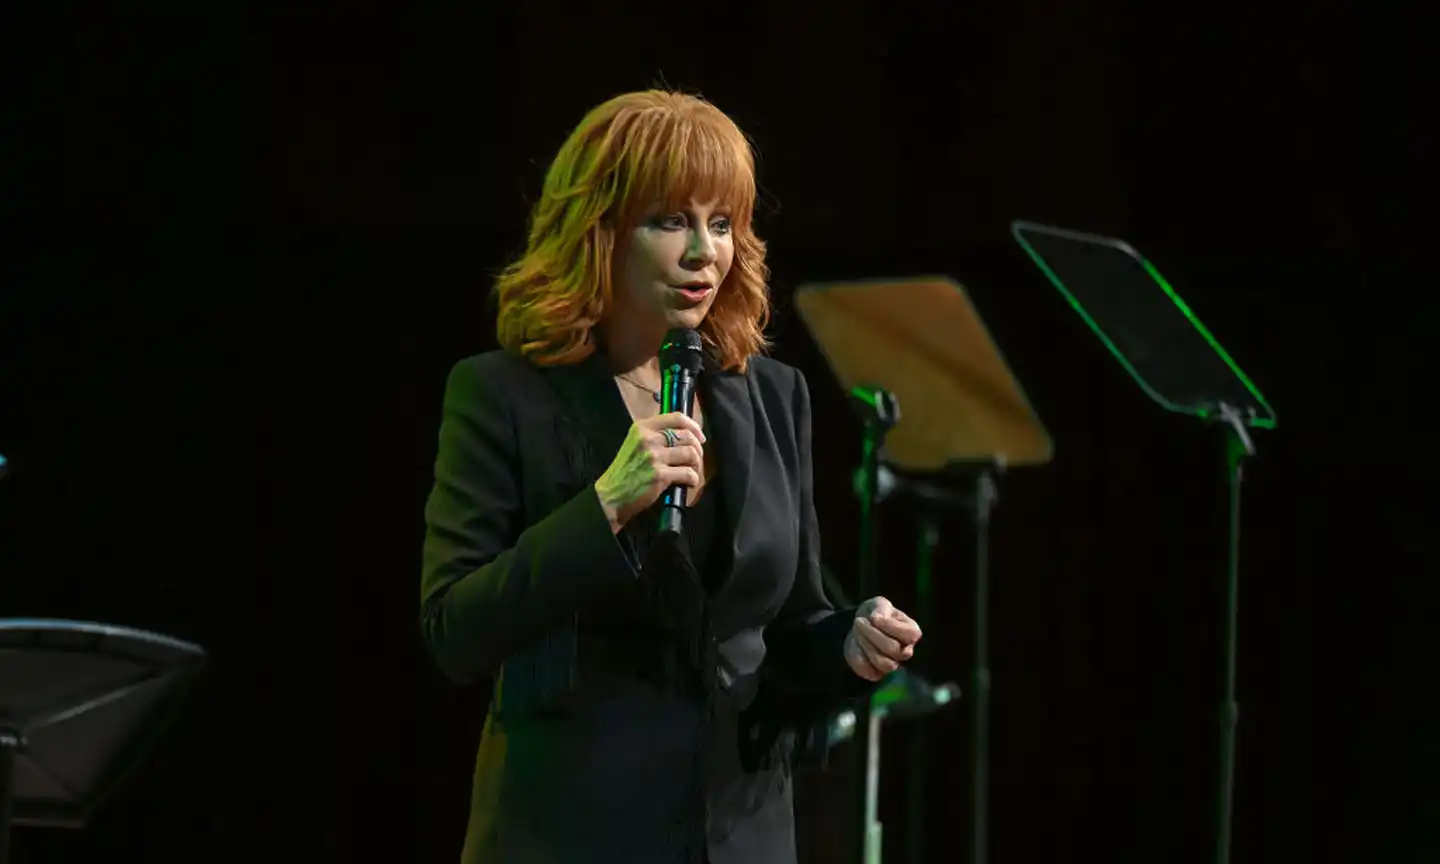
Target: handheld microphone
{"points": [[681, 360]]}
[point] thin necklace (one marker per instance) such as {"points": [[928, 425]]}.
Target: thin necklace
{"points": [[633, 383]]}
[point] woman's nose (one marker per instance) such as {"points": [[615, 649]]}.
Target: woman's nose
{"points": [[701, 250]]}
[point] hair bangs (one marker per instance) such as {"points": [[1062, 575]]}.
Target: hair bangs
{"points": [[694, 155]]}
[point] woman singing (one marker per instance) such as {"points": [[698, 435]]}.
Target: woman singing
{"points": [[650, 695]]}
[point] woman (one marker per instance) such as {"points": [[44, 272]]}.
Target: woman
{"points": [[648, 697]]}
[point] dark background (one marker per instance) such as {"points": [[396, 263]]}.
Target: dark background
{"points": [[244, 247]]}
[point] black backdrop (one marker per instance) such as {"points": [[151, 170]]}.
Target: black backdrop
{"points": [[243, 247]]}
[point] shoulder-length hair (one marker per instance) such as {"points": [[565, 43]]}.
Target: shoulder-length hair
{"points": [[627, 155]]}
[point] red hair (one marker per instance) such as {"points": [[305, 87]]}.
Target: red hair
{"points": [[626, 155]]}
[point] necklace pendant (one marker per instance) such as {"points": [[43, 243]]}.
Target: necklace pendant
{"points": [[657, 398]]}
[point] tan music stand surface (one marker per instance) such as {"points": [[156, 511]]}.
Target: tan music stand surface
{"points": [[940, 403], [922, 340]]}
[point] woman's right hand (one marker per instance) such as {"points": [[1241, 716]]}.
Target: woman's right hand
{"points": [[645, 466]]}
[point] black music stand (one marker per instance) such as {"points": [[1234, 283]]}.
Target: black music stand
{"points": [[1179, 365], [918, 345], [81, 704]]}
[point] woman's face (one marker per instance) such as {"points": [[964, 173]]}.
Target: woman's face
{"points": [[670, 265]]}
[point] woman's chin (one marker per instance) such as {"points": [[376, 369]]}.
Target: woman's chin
{"points": [[688, 318]]}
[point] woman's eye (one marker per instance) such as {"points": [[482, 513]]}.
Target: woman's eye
{"points": [[720, 226], [673, 222]]}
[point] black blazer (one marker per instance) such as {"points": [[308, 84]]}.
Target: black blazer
{"points": [[587, 756]]}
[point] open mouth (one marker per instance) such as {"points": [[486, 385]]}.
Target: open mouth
{"points": [[694, 291]]}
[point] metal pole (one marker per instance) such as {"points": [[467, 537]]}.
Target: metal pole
{"points": [[929, 537], [1237, 446], [980, 681]]}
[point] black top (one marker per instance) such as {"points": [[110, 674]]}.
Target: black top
{"points": [[705, 534], [705, 528]]}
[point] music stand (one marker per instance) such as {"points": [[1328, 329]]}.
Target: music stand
{"points": [[81, 704], [1179, 365], [918, 345]]}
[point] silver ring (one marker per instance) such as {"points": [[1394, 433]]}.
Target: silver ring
{"points": [[671, 439]]}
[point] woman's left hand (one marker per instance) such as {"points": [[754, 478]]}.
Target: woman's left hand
{"points": [[880, 639]]}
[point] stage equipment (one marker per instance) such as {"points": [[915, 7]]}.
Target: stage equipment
{"points": [[918, 345], [81, 705], [1181, 367]]}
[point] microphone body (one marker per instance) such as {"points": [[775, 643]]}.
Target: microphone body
{"points": [[681, 360]]}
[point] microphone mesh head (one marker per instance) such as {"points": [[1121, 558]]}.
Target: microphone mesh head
{"points": [[682, 348]]}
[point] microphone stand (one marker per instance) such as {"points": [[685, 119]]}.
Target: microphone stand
{"points": [[878, 413]]}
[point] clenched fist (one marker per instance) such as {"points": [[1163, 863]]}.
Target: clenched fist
{"points": [[648, 464], [880, 639]]}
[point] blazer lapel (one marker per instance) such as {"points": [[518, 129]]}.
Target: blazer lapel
{"points": [[594, 404], [729, 411]]}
